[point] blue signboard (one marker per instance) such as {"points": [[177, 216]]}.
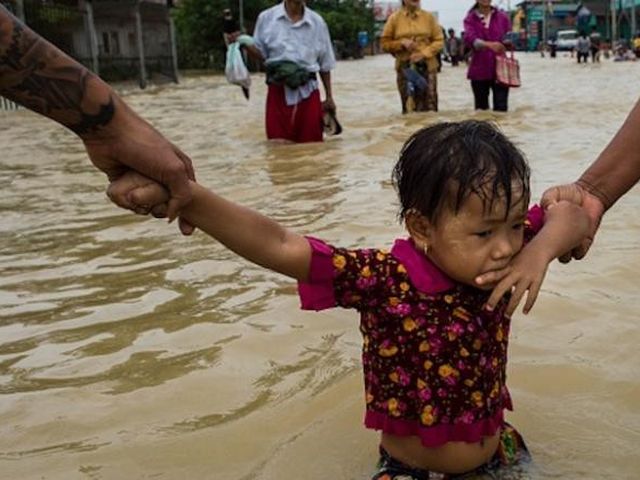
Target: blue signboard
{"points": [[535, 15]]}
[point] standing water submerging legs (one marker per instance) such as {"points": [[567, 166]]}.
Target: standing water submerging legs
{"points": [[414, 38], [294, 43], [434, 359], [485, 27]]}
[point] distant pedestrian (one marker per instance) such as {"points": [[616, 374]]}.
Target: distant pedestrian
{"points": [[605, 48], [293, 42], [636, 45], [414, 37], [454, 47], [596, 42], [583, 47], [230, 27], [541, 48], [553, 46], [485, 28]]}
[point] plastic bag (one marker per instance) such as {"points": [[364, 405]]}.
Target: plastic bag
{"points": [[235, 70]]}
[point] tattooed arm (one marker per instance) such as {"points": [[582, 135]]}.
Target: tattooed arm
{"points": [[36, 74]]}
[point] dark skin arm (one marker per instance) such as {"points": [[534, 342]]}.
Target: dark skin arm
{"points": [[328, 103], [39, 76]]}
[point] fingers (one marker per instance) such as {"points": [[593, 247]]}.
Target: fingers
{"points": [[118, 193], [159, 211], [516, 296], [187, 163], [534, 289], [566, 258], [151, 194], [581, 250], [496, 295], [492, 277], [185, 227], [177, 180], [570, 193]]}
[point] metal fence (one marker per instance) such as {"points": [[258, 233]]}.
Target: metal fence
{"points": [[117, 39]]}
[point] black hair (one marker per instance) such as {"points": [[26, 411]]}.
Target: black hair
{"points": [[441, 165]]}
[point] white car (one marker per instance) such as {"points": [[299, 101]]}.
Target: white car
{"points": [[566, 39]]}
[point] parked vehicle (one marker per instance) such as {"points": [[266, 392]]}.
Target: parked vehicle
{"points": [[566, 40]]}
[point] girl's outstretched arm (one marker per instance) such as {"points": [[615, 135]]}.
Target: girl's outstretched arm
{"points": [[248, 233], [565, 226]]}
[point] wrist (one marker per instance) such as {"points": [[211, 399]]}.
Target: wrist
{"points": [[589, 187]]}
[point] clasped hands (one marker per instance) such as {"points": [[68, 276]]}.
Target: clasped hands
{"points": [[411, 46], [519, 277], [522, 276], [129, 150]]}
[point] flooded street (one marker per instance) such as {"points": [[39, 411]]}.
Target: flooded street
{"points": [[128, 351]]}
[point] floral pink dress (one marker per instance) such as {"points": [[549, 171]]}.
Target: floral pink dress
{"points": [[434, 360]]}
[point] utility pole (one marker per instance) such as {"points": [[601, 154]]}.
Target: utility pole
{"points": [[633, 19], [614, 22], [241, 15], [544, 22]]}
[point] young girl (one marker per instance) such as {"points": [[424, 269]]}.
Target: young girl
{"points": [[434, 357]]}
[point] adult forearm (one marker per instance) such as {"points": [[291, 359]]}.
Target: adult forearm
{"points": [[254, 52], [617, 168], [326, 82], [39, 76]]}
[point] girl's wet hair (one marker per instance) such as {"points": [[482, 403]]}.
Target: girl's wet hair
{"points": [[441, 165]]}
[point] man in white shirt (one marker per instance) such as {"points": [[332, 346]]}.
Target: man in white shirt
{"points": [[295, 45]]}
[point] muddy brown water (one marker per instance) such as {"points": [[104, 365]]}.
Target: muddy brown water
{"points": [[128, 351]]}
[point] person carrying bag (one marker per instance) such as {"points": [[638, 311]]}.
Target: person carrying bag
{"points": [[485, 28]]}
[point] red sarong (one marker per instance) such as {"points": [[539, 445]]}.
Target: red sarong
{"points": [[298, 123]]}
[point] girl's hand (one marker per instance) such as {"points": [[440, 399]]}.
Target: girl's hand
{"points": [[525, 274], [565, 226], [492, 278], [136, 192], [593, 206]]}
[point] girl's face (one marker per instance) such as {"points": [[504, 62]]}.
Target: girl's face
{"points": [[484, 3], [473, 241]]}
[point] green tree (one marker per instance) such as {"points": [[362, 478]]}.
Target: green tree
{"points": [[199, 29], [345, 18]]}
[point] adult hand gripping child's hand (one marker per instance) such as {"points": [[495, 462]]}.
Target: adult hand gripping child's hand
{"points": [[145, 195], [594, 207], [566, 226]]}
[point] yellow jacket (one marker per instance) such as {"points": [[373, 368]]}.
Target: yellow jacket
{"points": [[419, 26]]}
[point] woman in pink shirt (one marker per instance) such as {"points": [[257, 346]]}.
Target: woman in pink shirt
{"points": [[484, 30]]}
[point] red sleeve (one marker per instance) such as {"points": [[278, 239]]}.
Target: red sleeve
{"points": [[533, 223], [343, 277]]}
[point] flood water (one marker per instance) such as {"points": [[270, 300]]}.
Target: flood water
{"points": [[128, 351]]}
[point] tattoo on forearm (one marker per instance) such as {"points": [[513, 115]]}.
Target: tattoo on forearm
{"points": [[37, 75]]}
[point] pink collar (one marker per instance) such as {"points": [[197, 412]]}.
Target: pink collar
{"points": [[424, 275]]}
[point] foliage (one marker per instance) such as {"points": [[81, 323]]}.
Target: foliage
{"points": [[199, 29], [345, 18]]}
